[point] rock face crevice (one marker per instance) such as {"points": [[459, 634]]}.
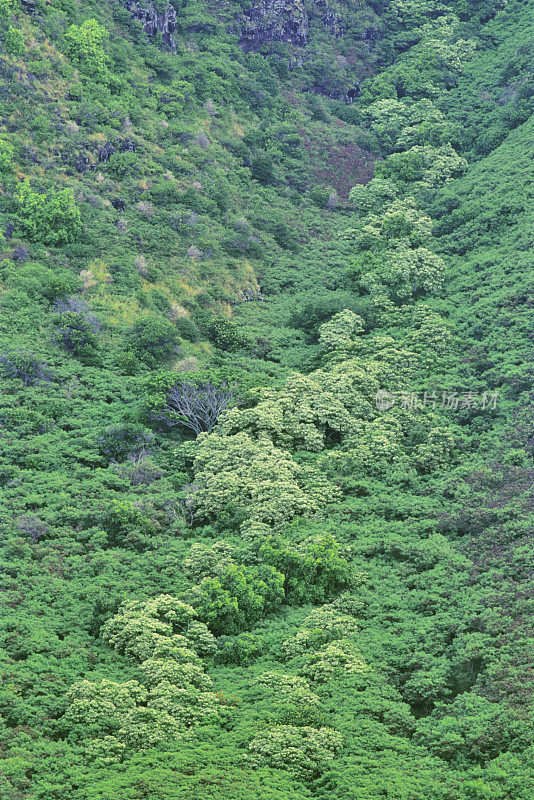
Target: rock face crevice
{"points": [[153, 21], [286, 21]]}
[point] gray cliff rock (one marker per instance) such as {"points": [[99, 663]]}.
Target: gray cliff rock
{"points": [[154, 21], [286, 21]]}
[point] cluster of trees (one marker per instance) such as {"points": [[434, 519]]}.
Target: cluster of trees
{"points": [[175, 694]]}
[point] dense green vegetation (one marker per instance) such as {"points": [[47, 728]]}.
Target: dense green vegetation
{"points": [[266, 412]]}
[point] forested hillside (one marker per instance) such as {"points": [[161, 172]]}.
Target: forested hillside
{"points": [[266, 418]]}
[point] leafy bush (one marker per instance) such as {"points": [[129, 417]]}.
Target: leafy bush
{"points": [[42, 283], [122, 164], [186, 328], [262, 169], [320, 196], [75, 328], [154, 339], [121, 441], [243, 649], [24, 366], [6, 157], [84, 44], [225, 335], [126, 525], [52, 218], [75, 334]]}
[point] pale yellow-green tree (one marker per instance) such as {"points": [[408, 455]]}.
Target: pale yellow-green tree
{"points": [[429, 334], [341, 332], [288, 688], [307, 409], [322, 626], [426, 125], [341, 657], [400, 221], [405, 273], [423, 165], [103, 704], [441, 47], [373, 449], [373, 196], [204, 560], [188, 706], [301, 750], [436, 452], [140, 626], [257, 477], [176, 693]]}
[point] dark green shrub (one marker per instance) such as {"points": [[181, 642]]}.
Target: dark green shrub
{"points": [[225, 335], [76, 328], [122, 164], [243, 649], [282, 231], [126, 526], [320, 196], [240, 245], [120, 441], [262, 169], [187, 329], [42, 283], [24, 366], [74, 333], [154, 340]]}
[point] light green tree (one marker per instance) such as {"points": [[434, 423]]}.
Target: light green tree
{"points": [[423, 164], [372, 449], [322, 626], [405, 273], [387, 117], [288, 688], [51, 219], [85, 46], [400, 221], [14, 41], [6, 157], [307, 408], [102, 705], [440, 46], [139, 627], [301, 750], [340, 333], [429, 334], [436, 452], [237, 595], [426, 125], [257, 477], [341, 657], [176, 693], [373, 196]]}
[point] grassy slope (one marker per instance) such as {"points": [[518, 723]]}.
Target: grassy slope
{"points": [[62, 578]]}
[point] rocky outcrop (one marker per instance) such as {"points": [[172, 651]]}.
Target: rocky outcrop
{"points": [[329, 17], [117, 146], [153, 21], [250, 294], [286, 21], [276, 21]]}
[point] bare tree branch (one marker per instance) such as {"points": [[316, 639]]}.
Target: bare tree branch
{"points": [[197, 405]]}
